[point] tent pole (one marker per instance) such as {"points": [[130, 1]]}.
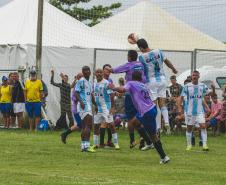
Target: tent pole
{"points": [[39, 38]]}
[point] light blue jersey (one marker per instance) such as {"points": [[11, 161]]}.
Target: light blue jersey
{"points": [[84, 88], [193, 98], [102, 96], [153, 65]]}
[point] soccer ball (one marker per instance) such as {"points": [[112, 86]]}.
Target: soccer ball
{"points": [[132, 38]]}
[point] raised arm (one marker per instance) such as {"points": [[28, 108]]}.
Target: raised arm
{"points": [[52, 80], [170, 65]]}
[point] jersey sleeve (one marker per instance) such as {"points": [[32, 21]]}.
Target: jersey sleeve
{"points": [[184, 91], [78, 86], [121, 69], [162, 55]]}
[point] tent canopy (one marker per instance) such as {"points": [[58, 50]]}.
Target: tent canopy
{"points": [[18, 20], [158, 27]]}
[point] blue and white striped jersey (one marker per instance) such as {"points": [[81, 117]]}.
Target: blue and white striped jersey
{"points": [[102, 96], [193, 98], [84, 88], [153, 64]]}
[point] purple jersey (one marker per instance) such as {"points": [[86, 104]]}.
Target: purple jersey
{"points": [[129, 68], [74, 102], [140, 96]]}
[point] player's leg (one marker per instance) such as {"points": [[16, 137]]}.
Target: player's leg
{"points": [[18, 109], [85, 134], [70, 117], [102, 134], [201, 120], [109, 142], [189, 120], [98, 119], [110, 121], [149, 123]]}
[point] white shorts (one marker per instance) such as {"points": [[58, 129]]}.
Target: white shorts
{"points": [[103, 117], [157, 89], [195, 120], [83, 114], [18, 107]]}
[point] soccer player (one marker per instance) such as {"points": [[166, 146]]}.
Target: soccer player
{"points": [[146, 109], [102, 127], [5, 101], [128, 68], [33, 93], [104, 99], [83, 90], [194, 93], [153, 61], [75, 112]]}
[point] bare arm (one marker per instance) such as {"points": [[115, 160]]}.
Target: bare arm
{"points": [[205, 105], [170, 65], [52, 80], [25, 95], [73, 83], [179, 104], [79, 99]]}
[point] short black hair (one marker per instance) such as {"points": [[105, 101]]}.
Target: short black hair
{"points": [[137, 76], [106, 65], [195, 71], [133, 55], [142, 43], [85, 68], [66, 76]]}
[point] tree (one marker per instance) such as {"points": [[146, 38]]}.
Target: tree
{"points": [[90, 16]]}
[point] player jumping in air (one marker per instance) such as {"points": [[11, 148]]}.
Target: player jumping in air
{"points": [[153, 61]]}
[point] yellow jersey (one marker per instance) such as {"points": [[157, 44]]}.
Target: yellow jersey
{"points": [[6, 94], [33, 89]]}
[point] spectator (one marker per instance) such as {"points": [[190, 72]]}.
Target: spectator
{"points": [[175, 91], [5, 101], [18, 99], [33, 93], [119, 107], [223, 112], [215, 116], [44, 94], [65, 96], [12, 114], [175, 88]]}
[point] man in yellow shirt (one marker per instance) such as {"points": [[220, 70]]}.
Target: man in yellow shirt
{"points": [[5, 100], [33, 93]]}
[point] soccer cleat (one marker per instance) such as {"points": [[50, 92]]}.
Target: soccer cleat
{"points": [[89, 149], [168, 132], [63, 138], [205, 148], [165, 160], [200, 143], [94, 147], [132, 145], [147, 147], [117, 147], [188, 148], [142, 144]]}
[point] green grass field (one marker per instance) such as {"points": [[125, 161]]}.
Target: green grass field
{"points": [[40, 159]]}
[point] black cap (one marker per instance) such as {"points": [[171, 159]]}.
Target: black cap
{"points": [[32, 72]]}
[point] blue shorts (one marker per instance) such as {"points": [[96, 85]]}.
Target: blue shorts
{"points": [[78, 120], [148, 120], [213, 122], [5, 108], [130, 110], [33, 109]]}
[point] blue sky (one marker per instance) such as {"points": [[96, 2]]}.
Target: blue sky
{"points": [[209, 16]]}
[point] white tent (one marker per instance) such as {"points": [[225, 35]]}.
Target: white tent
{"points": [[158, 27], [61, 35], [18, 21]]}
